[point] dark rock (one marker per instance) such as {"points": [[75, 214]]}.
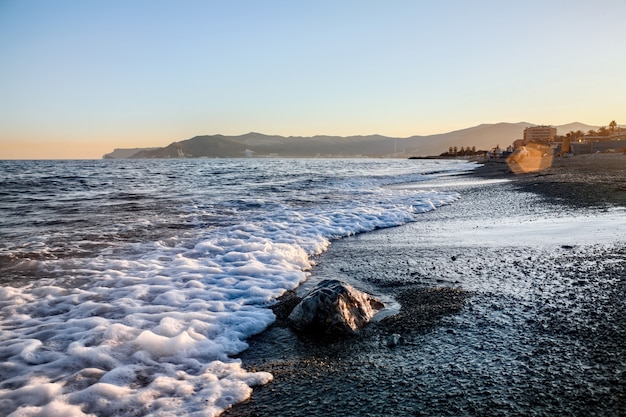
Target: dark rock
{"points": [[334, 307]]}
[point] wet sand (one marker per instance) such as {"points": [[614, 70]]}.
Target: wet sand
{"points": [[487, 328]]}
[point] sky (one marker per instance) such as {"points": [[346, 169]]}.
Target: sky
{"points": [[80, 78]]}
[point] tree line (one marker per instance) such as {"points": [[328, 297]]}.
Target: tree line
{"points": [[463, 151], [609, 130]]}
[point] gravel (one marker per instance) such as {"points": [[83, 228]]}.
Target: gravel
{"points": [[481, 329]]}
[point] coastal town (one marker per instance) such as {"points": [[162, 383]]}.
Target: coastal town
{"points": [[541, 145], [545, 140], [605, 139]]}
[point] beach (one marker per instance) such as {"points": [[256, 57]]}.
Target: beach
{"points": [[582, 180], [509, 301]]}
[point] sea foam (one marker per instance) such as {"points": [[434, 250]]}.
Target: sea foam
{"points": [[154, 333]]}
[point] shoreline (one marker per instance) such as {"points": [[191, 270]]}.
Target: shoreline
{"points": [[469, 345], [580, 180]]}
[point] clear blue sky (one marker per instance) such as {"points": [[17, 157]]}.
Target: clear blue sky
{"points": [[79, 78]]}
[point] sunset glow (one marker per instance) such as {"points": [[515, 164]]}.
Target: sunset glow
{"points": [[79, 79]]}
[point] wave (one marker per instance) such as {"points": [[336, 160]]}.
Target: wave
{"points": [[149, 327]]}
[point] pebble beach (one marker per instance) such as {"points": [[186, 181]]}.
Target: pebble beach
{"points": [[508, 302]]}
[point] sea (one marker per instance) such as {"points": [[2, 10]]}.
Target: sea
{"points": [[127, 287]]}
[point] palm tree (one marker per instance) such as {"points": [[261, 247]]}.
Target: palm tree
{"points": [[612, 126]]}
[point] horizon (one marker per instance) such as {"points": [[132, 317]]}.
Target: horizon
{"points": [[81, 79], [304, 137]]}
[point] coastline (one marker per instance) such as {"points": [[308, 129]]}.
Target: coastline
{"points": [[487, 329], [580, 180]]}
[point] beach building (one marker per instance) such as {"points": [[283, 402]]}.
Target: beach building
{"points": [[539, 134], [540, 138], [593, 144]]}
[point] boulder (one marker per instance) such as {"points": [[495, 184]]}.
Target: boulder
{"points": [[334, 307]]}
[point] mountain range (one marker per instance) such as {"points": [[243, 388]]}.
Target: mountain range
{"points": [[484, 137]]}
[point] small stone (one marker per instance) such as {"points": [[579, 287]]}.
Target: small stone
{"points": [[394, 340]]}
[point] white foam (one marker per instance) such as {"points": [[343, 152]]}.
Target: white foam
{"points": [[154, 333]]}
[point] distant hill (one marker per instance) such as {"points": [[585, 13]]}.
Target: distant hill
{"points": [[485, 136], [124, 153], [573, 127]]}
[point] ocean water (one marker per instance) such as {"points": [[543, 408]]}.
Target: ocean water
{"points": [[126, 287]]}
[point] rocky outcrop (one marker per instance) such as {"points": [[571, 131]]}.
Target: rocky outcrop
{"points": [[334, 307], [125, 153]]}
